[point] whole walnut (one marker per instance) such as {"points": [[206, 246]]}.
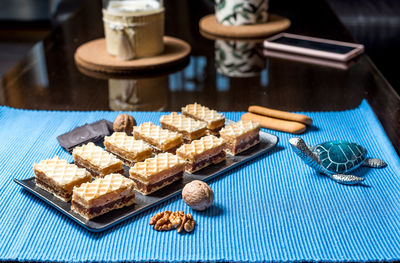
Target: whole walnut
{"points": [[198, 195], [124, 123]]}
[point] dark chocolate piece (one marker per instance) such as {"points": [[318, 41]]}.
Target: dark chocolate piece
{"points": [[84, 134]]}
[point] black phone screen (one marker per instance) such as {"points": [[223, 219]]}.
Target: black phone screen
{"points": [[333, 48]]}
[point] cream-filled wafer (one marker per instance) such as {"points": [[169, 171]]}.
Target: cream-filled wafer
{"points": [[276, 124], [127, 148], [162, 140], [102, 195], [203, 152], [96, 160], [240, 136], [157, 172], [214, 120], [58, 177], [284, 115], [190, 128]]}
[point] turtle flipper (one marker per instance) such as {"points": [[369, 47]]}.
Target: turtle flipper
{"points": [[374, 163], [346, 179]]}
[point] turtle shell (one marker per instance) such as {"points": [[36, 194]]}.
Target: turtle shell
{"points": [[340, 156]]}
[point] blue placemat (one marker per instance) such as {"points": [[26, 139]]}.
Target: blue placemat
{"points": [[273, 209]]}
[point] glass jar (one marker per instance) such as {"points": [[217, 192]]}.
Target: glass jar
{"points": [[133, 28]]}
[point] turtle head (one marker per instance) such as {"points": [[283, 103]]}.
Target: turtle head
{"points": [[303, 151], [297, 143]]}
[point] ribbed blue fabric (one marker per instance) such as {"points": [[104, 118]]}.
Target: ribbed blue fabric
{"points": [[274, 208]]}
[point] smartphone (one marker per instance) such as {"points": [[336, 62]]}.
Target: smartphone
{"points": [[342, 65], [314, 47]]}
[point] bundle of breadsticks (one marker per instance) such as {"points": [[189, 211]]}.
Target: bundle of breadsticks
{"points": [[278, 120]]}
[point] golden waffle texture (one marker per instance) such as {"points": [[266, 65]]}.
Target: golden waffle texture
{"points": [[96, 159], [103, 195], [213, 119], [153, 166], [240, 136], [190, 128], [200, 146], [164, 140], [60, 171], [127, 147], [239, 128], [157, 172], [103, 186], [203, 152]]}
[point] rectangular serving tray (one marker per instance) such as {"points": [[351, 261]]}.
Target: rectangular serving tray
{"points": [[142, 202]]}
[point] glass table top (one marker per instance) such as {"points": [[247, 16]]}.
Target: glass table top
{"points": [[226, 75]]}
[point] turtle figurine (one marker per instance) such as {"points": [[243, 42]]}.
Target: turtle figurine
{"points": [[335, 159]]}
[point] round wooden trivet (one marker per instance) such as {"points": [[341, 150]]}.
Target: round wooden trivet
{"points": [[275, 24], [94, 56]]}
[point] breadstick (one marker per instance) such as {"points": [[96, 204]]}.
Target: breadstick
{"points": [[281, 114], [276, 124]]}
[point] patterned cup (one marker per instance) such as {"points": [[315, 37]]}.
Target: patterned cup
{"points": [[241, 12], [238, 58]]}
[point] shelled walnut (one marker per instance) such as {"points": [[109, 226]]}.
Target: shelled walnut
{"points": [[164, 221]]}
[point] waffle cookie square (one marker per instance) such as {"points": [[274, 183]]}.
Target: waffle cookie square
{"points": [[214, 120], [96, 160], [161, 139], [102, 195], [240, 136], [203, 152], [157, 172], [190, 128], [127, 149], [58, 177]]}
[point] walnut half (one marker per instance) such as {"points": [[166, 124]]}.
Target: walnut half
{"points": [[164, 221]]}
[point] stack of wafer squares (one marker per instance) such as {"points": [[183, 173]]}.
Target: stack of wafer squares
{"points": [[102, 195], [240, 136], [190, 128], [214, 120], [127, 148], [58, 177], [96, 160], [157, 156], [162, 140], [157, 172]]}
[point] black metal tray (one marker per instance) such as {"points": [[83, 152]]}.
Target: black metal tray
{"points": [[142, 203]]}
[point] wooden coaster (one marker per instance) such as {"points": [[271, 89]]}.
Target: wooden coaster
{"points": [[275, 24], [94, 56], [142, 74]]}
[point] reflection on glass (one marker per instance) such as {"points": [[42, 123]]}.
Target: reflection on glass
{"points": [[138, 94], [237, 58], [2, 94]]}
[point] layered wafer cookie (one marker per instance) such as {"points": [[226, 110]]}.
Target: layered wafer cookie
{"points": [[214, 120], [96, 160], [240, 136], [58, 177], [157, 172], [102, 195], [190, 128], [162, 140], [127, 149], [203, 152]]}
